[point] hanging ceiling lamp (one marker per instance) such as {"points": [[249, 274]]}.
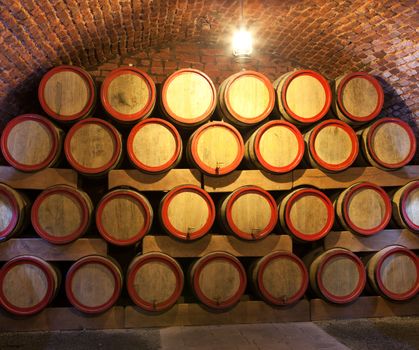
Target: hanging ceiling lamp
{"points": [[242, 39]]}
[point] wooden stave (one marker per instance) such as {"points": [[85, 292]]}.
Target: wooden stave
{"points": [[341, 204], [87, 111], [53, 276], [138, 261], [112, 266], [138, 116], [161, 169], [398, 206], [148, 209], [373, 268], [194, 281], [83, 200]]}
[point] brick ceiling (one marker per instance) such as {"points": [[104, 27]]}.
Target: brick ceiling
{"points": [[330, 36]]}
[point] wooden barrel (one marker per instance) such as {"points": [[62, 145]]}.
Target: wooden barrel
{"points": [[128, 94], [188, 97], [249, 212], [337, 275], [276, 147], [306, 214], [93, 284], [405, 203], [280, 278], [123, 217], [31, 142], [216, 148], [61, 214], [187, 212], [363, 208], [358, 98], [332, 146], [246, 98], [393, 272], [93, 147], [388, 144], [154, 146], [303, 96], [218, 280], [67, 93], [27, 285], [154, 281], [13, 212]]}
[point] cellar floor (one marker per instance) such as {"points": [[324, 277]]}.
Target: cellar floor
{"points": [[361, 334]]}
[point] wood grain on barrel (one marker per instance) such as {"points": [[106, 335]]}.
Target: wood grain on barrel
{"points": [[399, 273], [6, 212], [309, 214], [359, 97], [30, 142], [66, 93], [333, 145], [412, 206]]}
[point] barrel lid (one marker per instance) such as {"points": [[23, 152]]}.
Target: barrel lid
{"points": [[265, 261], [327, 91], [397, 296], [137, 198], [300, 142], [370, 142], [89, 85], [111, 267], [54, 139], [200, 265], [139, 262], [340, 93], [298, 194], [75, 196], [222, 170], [164, 212], [50, 280], [181, 118], [144, 105], [350, 158], [387, 203], [273, 215], [131, 150], [231, 81], [411, 187], [341, 299], [6, 192], [116, 140]]}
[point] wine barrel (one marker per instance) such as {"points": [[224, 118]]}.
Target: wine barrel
{"points": [[128, 94], [61, 214], [249, 212], [187, 212], [67, 93], [93, 284], [13, 212], [276, 147], [337, 275], [358, 98], [27, 285], [216, 148], [388, 144], [405, 202], [393, 272], [363, 208], [332, 146], [31, 142], [154, 146], [154, 281], [280, 278], [218, 280], [93, 147], [306, 214], [123, 217], [188, 97], [246, 98], [303, 96]]}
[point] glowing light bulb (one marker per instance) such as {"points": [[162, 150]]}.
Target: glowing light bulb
{"points": [[242, 43]]}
